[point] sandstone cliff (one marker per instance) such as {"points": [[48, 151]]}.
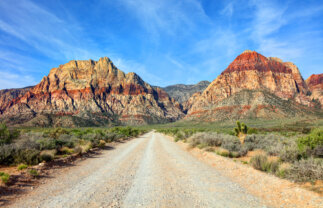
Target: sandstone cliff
{"points": [[263, 78], [315, 84], [91, 93]]}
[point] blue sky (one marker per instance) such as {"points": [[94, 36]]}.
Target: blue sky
{"points": [[164, 41]]}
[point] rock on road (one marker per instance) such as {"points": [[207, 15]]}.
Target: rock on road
{"points": [[149, 171]]}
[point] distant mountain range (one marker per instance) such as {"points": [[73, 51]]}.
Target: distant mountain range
{"points": [[96, 93], [181, 92]]}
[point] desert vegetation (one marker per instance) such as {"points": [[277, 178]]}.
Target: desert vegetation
{"points": [[31, 146], [297, 155]]}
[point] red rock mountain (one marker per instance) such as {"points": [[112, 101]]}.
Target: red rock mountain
{"points": [[253, 86], [8, 95], [90, 93], [315, 84]]}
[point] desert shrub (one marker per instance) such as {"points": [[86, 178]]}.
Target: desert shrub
{"points": [[232, 144], [47, 155], [102, 144], [28, 156], [56, 132], [77, 150], [223, 152], [4, 134], [290, 153], [110, 137], [210, 139], [252, 131], [46, 143], [66, 140], [85, 146], [29, 140], [33, 172], [22, 166], [261, 162], [5, 177], [283, 170], [311, 143], [271, 143], [66, 151], [11, 154], [7, 154], [306, 170]]}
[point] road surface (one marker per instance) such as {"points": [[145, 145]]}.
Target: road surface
{"points": [[149, 171]]}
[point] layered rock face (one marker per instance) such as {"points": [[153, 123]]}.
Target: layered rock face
{"points": [[94, 91], [255, 73], [315, 84], [8, 95], [182, 93]]}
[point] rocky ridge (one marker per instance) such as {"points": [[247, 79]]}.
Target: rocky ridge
{"points": [[315, 84], [182, 93], [90, 93]]}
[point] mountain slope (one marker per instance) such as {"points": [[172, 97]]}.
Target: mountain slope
{"points": [[266, 78], [181, 92], [91, 93], [8, 95], [315, 84]]}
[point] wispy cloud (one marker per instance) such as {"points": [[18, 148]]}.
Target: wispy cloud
{"points": [[269, 29], [167, 16], [43, 30], [11, 80], [228, 10]]}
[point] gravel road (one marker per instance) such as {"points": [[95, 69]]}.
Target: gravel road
{"points": [[150, 171]]}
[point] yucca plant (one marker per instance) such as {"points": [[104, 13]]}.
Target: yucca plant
{"points": [[241, 131]]}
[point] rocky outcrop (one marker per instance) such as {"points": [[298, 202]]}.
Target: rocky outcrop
{"points": [[253, 72], [181, 92], [91, 93], [315, 84], [8, 95]]}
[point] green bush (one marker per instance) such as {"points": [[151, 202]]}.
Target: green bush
{"points": [[309, 143], [22, 167], [27, 156], [5, 177], [33, 172]]}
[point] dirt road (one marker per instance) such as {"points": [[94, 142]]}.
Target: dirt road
{"points": [[150, 171]]}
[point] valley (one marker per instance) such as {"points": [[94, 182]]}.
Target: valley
{"points": [[90, 135]]}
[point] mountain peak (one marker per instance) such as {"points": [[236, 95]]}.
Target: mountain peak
{"points": [[252, 60]]}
